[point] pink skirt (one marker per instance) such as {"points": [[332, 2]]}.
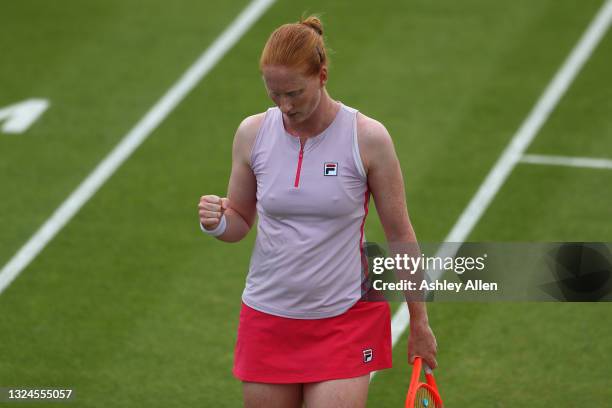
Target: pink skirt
{"points": [[274, 349]]}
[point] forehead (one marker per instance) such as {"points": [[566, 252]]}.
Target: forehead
{"points": [[280, 78]]}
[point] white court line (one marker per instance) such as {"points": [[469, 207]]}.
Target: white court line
{"points": [[589, 162], [515, 149], [132, 140]]}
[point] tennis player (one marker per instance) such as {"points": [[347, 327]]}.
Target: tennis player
{"points": [[307, 168]]}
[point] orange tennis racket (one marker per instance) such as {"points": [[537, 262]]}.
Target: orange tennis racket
{"points": [[422, 395]]}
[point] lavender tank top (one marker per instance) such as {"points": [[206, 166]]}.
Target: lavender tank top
{"points": [[311, 206]]}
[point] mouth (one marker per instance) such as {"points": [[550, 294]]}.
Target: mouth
{"points": [[292, 115]]}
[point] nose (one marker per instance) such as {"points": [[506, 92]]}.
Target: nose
{"points": [[285, 105]]}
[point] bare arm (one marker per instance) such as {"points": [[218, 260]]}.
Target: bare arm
{"points": [[239, 207], [386, 184]]}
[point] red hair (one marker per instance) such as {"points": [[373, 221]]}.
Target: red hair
{"points": [[296, 45]]}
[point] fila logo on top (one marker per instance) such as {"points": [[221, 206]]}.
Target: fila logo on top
{"points": [[368, 355], [330, 169]]}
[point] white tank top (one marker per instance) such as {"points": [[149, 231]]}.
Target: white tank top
{"points": [[311, 204]]}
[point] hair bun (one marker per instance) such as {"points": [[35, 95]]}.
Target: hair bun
{"points": [[314, 23]]}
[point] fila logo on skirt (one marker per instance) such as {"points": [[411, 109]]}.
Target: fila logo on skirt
{"points": [[368, 355], [330, 169]]}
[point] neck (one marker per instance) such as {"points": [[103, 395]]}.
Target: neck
{"points": [[319, 120]]}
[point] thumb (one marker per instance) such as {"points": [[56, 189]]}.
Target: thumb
{"points": [[224, 204]]}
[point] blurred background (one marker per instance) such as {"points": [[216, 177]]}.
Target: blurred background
{"points": [[130, 305]]}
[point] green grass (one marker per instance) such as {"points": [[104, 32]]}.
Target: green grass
{"points": [[132, 306], [581, 125]]}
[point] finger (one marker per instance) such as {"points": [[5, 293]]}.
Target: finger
{"points": [[431, 362], [224, 203], [210, 207], [210, 214], [210, 223], [211, 198]]}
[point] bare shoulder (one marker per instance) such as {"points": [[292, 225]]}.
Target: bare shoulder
{"points": [[248, 128], [246, 134], [370, 130], [373, 138]]}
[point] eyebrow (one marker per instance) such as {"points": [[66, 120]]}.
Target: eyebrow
{"points": [[288, 92]]}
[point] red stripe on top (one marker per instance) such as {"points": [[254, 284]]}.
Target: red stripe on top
{"points": [[299, 166], [364, 259]]}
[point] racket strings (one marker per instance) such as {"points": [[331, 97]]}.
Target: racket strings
{"points": [[424, 399]]}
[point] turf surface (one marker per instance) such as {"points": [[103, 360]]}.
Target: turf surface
{"points": [[130, 305]]}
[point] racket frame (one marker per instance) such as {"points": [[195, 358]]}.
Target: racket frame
{"points": [[415, 383]]}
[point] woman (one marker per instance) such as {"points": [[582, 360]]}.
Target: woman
{"points": [[307, 168]]}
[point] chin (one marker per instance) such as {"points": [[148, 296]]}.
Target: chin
{"points": [[295, 119]]}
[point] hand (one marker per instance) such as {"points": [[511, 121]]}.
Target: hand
{"points": [[211, 208], [422, 343]]}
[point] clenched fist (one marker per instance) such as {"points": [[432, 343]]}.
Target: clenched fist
{"points": [[211, 208]]}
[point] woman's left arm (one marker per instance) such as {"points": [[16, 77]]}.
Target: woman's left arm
{"points": [[386, 185]]}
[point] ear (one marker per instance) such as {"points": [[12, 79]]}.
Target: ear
{"points": [[323, 76]]}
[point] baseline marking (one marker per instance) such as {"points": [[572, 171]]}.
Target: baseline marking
{"points": [[132, 140], [589, 162], [515, 149]]}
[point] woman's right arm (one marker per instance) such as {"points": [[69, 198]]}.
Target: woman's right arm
{"points": [[239, 207]]}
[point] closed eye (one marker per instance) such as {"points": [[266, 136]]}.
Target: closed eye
{"points": [[290, 94]]}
